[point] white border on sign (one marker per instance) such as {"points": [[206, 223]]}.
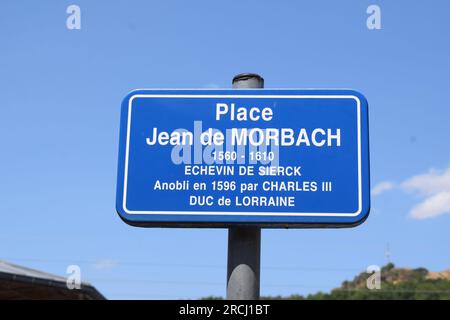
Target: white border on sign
{"points": [[249, 213]]}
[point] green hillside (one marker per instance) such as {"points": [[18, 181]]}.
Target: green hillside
{"points": [[396, 284]]}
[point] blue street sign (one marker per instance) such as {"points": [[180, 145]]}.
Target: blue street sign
{"points": [[217, 158]]}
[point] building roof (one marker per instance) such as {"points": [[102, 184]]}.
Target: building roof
{"points": [[18, 282]]}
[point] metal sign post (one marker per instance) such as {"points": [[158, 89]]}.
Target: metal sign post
{"points": [[244, 244], [244, 159]]}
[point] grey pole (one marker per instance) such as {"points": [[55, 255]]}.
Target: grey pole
{"points": [[244, 243]]}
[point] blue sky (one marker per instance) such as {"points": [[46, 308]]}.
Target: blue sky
{"points": [[59, 123]]}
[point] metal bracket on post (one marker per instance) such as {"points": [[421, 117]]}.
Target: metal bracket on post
{"points": [[244, 243]]}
